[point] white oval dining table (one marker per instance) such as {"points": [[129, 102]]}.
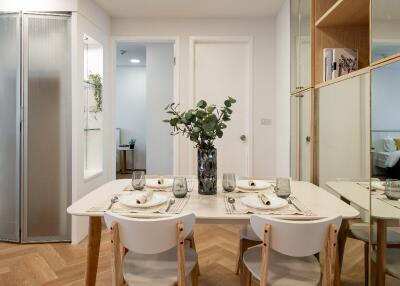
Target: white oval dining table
{"points": [[208, 210]]}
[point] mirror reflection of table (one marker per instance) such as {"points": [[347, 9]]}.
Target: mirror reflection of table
{"points": [[381, 212], [122, 155]]}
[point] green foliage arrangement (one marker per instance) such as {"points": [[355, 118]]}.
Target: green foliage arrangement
{"points": [[202, 124], [95, 81]]}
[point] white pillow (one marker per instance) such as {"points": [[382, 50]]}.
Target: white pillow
{"points": [[389, 145]]}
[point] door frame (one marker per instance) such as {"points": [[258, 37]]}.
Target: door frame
{"points": [[248, 40], [176, 93]]}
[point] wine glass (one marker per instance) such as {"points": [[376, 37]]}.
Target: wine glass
{"points": [[138, 180], [179, 188], [229, 182]]}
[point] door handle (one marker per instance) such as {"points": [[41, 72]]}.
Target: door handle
{"points": [[243, 138], [308, 139]]}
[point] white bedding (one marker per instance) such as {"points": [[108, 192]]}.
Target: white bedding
{"points": [[387, 159]]}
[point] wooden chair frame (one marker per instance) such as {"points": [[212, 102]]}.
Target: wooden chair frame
{"points": [[119, 251], [329, 273]]}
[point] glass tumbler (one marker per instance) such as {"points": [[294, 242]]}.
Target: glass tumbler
{"points": [[179, 188], [138, 180], [229, 182]]}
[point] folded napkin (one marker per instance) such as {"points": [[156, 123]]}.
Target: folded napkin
{"points": [[264, 199], [143, 198]]}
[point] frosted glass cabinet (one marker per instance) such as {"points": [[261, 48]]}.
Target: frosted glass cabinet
{"points": [[300, 45], [301, 136]]}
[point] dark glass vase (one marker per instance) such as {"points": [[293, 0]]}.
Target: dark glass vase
{"points": [[207, 171]]}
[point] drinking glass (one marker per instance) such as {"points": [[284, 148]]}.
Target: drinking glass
{"points": [[392, 189], [179, 188], [229, 182], [138, 180], [282, 188]]}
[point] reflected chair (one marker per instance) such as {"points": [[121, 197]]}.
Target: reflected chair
{"points": [[392, 261], [286, 256], [152, 252]]}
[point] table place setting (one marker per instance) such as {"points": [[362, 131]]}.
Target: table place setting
{"points": [[264, 203], [149, 200]]}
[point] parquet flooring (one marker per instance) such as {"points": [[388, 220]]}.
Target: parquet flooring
{"points": [[64, 264]]}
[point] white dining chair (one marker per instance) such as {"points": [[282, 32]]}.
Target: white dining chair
{"points": [[152, 252], [286, 256]]}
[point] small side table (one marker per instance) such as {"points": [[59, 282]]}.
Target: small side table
{"points": [[122, 161]]}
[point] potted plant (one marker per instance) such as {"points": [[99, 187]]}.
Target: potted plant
{"points": [[95, 81], [202, 125], [132, 143]]}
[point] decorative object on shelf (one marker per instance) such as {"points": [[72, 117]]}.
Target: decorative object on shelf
{"points": [[132, 143], [202, 125], [95, 81], [338, 62]]}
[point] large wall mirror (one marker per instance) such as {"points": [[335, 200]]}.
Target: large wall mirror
{"points": [[343, 165], [93, 107], [300, 41], [385, 169], [385, 28]]}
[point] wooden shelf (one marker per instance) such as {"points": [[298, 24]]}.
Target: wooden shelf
{"points": [[343, 77], [345, 13]]}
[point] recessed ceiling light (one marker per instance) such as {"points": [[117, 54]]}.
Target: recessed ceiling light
{"points": [[134, 61]]}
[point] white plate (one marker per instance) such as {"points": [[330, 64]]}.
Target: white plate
{"points": [[259, 185], [254, 201], [153, 183], [130, 200]]}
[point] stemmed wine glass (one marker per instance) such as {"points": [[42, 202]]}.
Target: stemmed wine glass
{"points": [[229, 182], [138, 180]]}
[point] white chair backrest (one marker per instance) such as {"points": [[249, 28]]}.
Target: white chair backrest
{"points": [[295, 238], [150, 236]]}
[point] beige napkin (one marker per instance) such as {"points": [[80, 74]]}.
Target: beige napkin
{"points": [[143, 198]]}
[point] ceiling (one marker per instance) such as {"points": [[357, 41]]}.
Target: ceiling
{"points": [[190, 8], [132, 51]]}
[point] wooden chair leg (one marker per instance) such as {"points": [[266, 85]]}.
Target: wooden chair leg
{"points": [[192, 245], [117, 276], [246, 276], [366, 263], [239, 257], [195, 275]]}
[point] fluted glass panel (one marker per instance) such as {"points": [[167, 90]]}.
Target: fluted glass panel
{"points": [[47, 127], [9, 126]]}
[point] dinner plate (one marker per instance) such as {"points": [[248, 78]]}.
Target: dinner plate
{"points": [[153, 183], [254, 201], [130, 200], [259, 185]]}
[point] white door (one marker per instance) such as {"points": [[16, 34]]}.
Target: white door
{"points": [[222, 68]]}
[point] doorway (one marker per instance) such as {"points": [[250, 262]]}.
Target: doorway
{"points": [[144, 85]]}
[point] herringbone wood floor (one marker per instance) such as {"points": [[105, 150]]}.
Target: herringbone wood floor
{"points": [[64, 264]]}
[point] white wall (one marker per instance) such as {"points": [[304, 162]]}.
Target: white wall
{"points": [[130, 110], [263, 32], [92, 21], [282, 64], [159, 93], [385, 101]]}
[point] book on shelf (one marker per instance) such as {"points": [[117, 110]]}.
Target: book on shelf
{"points": [[338, 62]]}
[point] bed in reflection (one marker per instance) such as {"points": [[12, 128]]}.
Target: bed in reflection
{"points": [[386, 154]]}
